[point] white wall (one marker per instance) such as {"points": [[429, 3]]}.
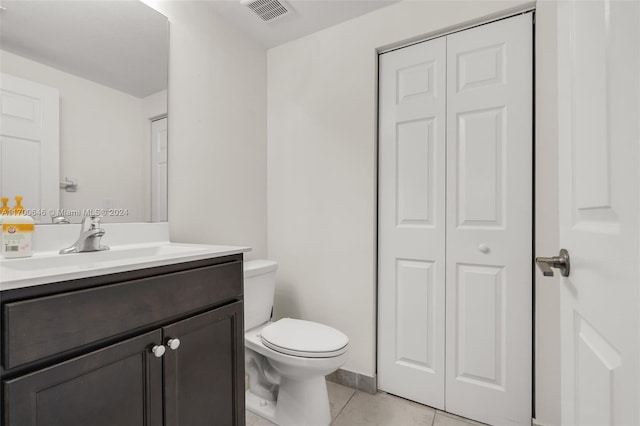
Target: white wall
{"points": [[322, 172], [217, 130], [99, 128]]}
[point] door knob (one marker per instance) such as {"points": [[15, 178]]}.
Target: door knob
{"points": [[158, 350], [483, 248], [173, 344], [561, 262]]}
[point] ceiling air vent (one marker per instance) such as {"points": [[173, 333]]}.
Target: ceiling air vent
{"points": [[267, 10]]}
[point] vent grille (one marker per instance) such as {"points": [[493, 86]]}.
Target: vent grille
{"points": [[267, 10]]}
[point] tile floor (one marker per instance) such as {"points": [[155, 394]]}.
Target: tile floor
{"points": [[355, 408]]}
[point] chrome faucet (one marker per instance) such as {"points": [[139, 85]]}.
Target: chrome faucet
{"points": [[60, 220], [89, 239]]}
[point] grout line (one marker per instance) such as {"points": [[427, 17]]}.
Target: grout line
{"points": [[343, 407]]}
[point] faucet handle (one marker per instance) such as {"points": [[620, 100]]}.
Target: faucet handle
{"points": [[60, 219], [90, 222]]}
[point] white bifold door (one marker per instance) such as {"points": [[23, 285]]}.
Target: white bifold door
{"points": [[455, 222]]}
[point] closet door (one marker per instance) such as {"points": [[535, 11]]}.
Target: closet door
{"points": [[411, 222], [489, 222]]}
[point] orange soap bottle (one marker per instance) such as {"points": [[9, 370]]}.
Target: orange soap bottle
{"points": [[17, 230], [4, 210]]}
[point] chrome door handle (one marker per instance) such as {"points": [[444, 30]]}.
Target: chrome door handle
{"points": [[562, 262]]}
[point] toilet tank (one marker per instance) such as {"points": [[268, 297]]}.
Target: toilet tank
{"points": [[259, 289]]}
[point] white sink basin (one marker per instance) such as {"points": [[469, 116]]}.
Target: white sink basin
{"points": [[50, 267], [90, 259]]}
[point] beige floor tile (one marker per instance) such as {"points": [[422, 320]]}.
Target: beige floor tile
{"points": [[339, 395], [383, 410], [255, 420], [448, 419]]}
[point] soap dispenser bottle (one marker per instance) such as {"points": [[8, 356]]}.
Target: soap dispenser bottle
{"points": [[18, 209], [17, 230], [4, 210]]}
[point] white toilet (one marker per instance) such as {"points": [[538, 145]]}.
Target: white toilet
{"points": [[286, 360]]}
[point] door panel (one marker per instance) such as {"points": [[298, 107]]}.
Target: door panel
{"points": [[599, 88], [480, 167], [489, 221], [411, 222], [414, 184], [415, 285], [481, 339]]}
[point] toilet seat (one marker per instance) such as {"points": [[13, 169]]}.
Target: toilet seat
{"points": [[304, 339]]}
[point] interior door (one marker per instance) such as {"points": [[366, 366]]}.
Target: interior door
{"points": [[599, 91], [489, 221], [29, 143], [411, 222], [159, 182]]}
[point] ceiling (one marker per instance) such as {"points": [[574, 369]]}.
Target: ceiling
{"points": [[119, 44], [122, 44], [308, 16]]}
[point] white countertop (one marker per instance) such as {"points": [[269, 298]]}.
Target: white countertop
{"points": [[50, 267]]}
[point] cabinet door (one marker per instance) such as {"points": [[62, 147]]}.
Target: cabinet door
{"points": [[118, 385], [204, 376]]}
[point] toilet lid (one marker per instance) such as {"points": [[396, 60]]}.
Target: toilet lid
{"points": [[304, 338]]}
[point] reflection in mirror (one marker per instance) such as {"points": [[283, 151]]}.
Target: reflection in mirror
{"points": [[83, 118]]}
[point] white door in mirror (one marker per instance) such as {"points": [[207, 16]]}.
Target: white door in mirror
{"points": [[29, 131], [159, 182]]}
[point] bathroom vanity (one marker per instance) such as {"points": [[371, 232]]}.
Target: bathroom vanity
{"points": [[155, 342]]}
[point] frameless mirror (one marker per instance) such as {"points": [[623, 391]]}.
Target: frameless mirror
{"points": [[83, 116]]}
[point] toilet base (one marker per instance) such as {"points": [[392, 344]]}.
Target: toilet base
{"points": [[260, 406], [300, 403], [303, 403]]}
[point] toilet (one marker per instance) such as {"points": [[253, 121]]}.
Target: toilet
{"points": [[286, 360]]}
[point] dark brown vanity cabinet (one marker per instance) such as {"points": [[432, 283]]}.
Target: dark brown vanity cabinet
{"points": [[168, 350], [117, 385]]}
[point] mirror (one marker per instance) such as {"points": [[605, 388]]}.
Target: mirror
{"points": [[83, 89]]}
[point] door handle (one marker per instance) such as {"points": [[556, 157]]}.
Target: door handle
{"points": [[562, 262]]}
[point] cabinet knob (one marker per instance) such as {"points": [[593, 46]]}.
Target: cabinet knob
{"points": [[173, 344], [158, 350]]}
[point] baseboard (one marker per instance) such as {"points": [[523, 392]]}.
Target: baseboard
{"points": [[354, 380]]}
